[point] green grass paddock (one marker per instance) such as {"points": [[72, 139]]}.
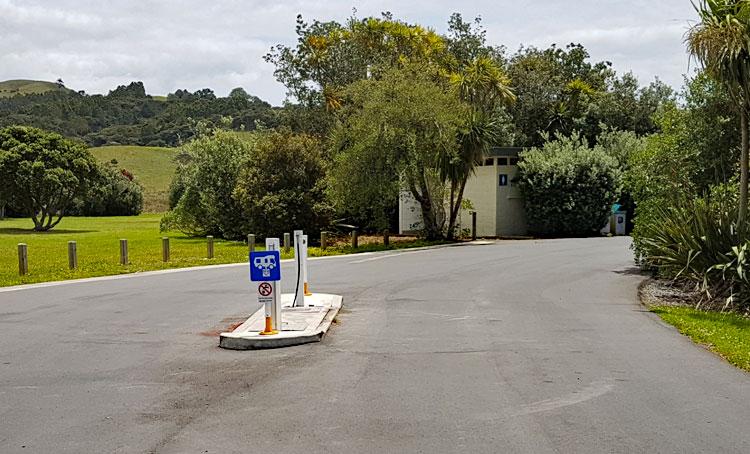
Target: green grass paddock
{"points": [[153, 167]]}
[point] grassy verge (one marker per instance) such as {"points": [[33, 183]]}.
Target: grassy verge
{"points": [[726, 334], [98, 248]]}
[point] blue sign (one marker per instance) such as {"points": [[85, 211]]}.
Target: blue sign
{"points": [[265, 266]]}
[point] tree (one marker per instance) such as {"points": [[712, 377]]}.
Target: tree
{"points": [[721, 42], [283, 185], [402, 125], [484, 88], [41, 173], [208, 175]]}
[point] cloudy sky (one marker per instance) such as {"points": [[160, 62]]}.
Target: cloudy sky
{"points": [[95, 45]]}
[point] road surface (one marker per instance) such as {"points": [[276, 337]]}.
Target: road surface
{"points": [[527, 346]]}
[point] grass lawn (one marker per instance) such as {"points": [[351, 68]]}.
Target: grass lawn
{"points": [[99, 251], [153, 167], [726, 334]]}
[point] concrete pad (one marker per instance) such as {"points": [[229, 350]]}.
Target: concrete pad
{"points": [[299, 325]]}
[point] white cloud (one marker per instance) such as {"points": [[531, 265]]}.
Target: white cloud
{"points": [[96, 45]]}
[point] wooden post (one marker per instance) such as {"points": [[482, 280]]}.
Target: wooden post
{"points": [[324, 240], [386, 238], [72, 255], [287, 242], [210, 247], [124, 252], [165, 249], [355, 239], [23, 259], [473, 226], [251, 243]]}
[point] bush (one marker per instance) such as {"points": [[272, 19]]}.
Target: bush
{"points": [[116, 193], [282, 187], [697, 242], [205, 182], [568, 187]]}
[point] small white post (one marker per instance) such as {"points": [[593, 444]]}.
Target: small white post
{"points": [[273, 244], [299, 294], [305, 281]]}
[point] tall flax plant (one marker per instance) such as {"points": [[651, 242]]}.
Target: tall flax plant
{"points": [[697, 241], [721, 43]]}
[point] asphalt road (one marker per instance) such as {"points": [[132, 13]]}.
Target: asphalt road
{"points": [[533, 346]]}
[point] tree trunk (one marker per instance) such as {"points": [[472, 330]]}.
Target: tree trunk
{"points": [[744, 167], [456, 208]]}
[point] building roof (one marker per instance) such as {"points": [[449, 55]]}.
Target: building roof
{"points": [[504, 151]]}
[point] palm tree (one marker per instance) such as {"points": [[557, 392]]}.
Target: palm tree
{"points": [[484, 87], [721, 43]]}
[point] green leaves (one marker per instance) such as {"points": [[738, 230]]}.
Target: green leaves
{"points": [[41, 173], [568, 187]]}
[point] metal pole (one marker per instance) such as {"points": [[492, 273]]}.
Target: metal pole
{"points": [[210, 247], [23, 259], [72, 255], [165, 249], [473, 226], [251, 243], [272, 244], [306, 286], [123, 252]]}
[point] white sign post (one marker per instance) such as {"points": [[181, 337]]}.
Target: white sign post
{"points": [[274, 309], [299, 294]]}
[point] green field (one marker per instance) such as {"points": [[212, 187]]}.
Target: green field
{"points": [[153, 167], [10, 88], [97, 241], [726, 334]]}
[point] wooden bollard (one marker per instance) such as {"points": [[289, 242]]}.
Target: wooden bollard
{"points": [[287, 242], [386, 238], [324, 240], [72, 255], [473, 226], [251, 243], [23, 259], [355, 239], [124, 252], [165, 249], [210, 247]]}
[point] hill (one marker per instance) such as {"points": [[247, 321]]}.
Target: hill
{"points": [[153, 167], [10, 88], [128, 115]]}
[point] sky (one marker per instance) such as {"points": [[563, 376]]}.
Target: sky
{"points": [[95, 45]]}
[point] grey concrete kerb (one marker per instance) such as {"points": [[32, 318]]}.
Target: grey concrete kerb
{"points": [[300, 325]]}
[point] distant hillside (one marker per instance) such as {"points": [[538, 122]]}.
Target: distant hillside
{"points": [[129, 116], [10, 88], [153, 167]]}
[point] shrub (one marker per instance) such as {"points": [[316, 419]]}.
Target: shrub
{"points": [[568, 187], [282, 187], [116, 193], [205, 182], [697, 242]]}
